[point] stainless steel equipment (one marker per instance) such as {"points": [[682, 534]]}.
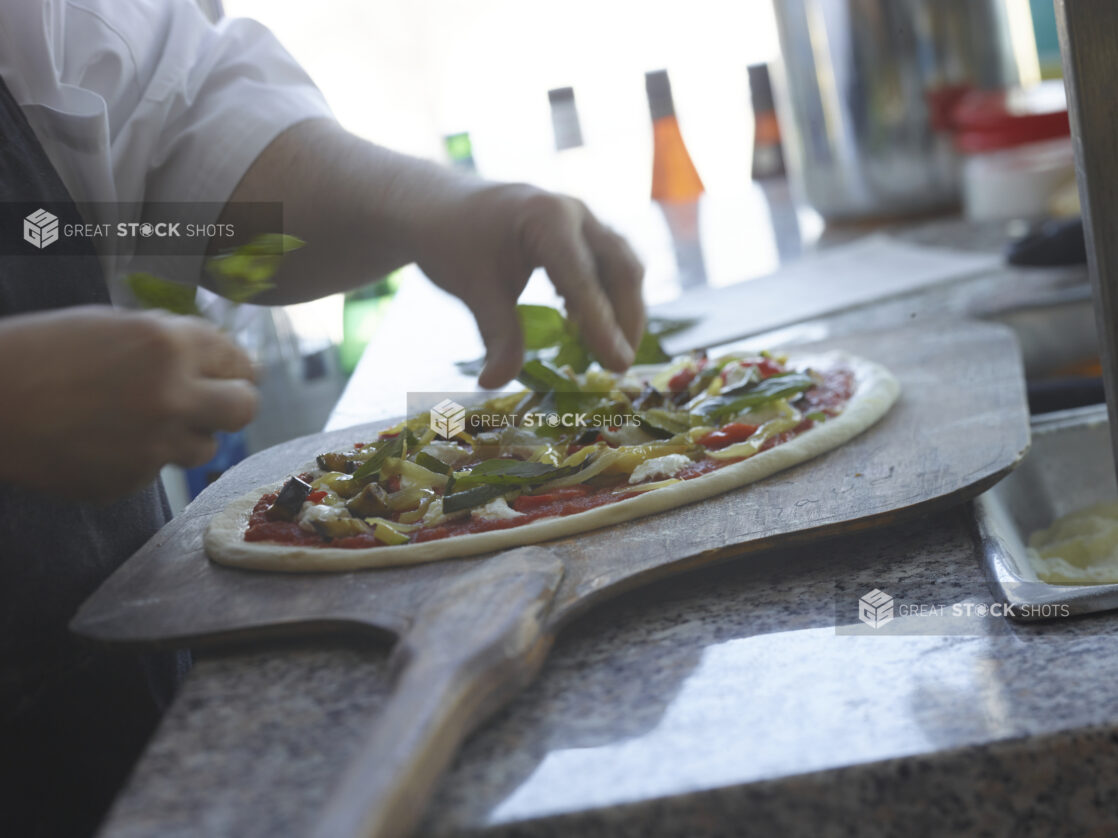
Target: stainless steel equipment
{"points": [[1066, 469], [864, 88], [1074, 458], [1089, 47]]}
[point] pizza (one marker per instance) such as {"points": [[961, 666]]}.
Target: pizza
{"points": [[572, 453]]}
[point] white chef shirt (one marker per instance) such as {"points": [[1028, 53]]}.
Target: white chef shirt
{"points": [[147, 100]]}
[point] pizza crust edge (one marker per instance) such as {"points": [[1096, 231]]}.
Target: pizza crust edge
{"points": [[876, 391]]}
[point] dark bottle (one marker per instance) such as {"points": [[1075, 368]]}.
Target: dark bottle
{"points": [[768, 156], [564, 118], [768, 170], [572, 164]]}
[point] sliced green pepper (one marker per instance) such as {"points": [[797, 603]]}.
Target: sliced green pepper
{"points": [[388, 535], [510, 474], [391, 447], [469, 498], [431, 463]]}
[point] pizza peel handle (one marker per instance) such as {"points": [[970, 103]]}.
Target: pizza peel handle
{"points": [[470, 648]]}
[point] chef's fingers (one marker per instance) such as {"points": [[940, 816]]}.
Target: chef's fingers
{"points": [[621, 274], [504, 342], [218, 356], [192, 449], [553, 239], [220, 405]]}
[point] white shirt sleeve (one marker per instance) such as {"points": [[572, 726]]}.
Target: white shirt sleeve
{"points": [[147, 100]]}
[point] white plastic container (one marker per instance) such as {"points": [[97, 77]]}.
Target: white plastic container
{"points": [[1016, 182], [1016, 148]]}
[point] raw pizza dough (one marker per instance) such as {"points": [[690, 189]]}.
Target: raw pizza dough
{"points": [[875, 392]]}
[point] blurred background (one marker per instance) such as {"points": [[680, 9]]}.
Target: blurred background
{"points": [[410, 73], [724, 140]]}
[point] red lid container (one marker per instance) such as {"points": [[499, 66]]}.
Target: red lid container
{"points": [[990, 120]]}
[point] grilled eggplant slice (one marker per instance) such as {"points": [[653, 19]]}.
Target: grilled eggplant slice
{"points": [[289, 500]]}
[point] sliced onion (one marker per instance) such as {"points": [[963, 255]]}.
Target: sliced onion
{"points": [[598, 464], [373, 521]]}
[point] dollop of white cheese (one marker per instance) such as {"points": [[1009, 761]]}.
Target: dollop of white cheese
{"points": [[312, 512], [434, 513], [496, 510], [659, 467]]}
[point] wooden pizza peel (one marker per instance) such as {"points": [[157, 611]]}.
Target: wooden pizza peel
{"points": [[472, 632]]}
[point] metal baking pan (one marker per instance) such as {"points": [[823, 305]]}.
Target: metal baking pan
{"points": [[1068, 467]]}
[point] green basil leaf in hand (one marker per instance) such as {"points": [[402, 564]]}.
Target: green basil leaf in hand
{"points": [[152, 292], [650, 351], [543, 326]]}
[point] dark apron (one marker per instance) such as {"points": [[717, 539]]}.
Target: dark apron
{"points": [[72, 718]]}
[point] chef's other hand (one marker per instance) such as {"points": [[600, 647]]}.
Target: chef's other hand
{"points": [[483, 244], [99, 400]]}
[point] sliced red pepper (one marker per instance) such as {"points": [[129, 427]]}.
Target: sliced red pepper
{"points": [[768, 367], [727, 435], [682, 379], [315, 497]]}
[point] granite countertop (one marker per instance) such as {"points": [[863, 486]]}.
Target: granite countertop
{"points": [[741, 699]]}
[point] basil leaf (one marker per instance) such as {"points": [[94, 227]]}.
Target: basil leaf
{"points": [[246, 271], [548, 335], [542, 377], [572, 353], [650, 351], [391, 447], [152, 292], [756, 394], [542, 326], [271, 244]]}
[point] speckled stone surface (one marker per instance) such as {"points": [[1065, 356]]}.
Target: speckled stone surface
{"points": [[723, 702], [740, 700]]}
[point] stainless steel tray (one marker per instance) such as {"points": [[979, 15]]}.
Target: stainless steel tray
{"points": [[1069, 466]]}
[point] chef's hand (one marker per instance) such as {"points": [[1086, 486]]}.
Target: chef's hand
{"points": [[483, 243], [99, 400], [365, 210]]}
